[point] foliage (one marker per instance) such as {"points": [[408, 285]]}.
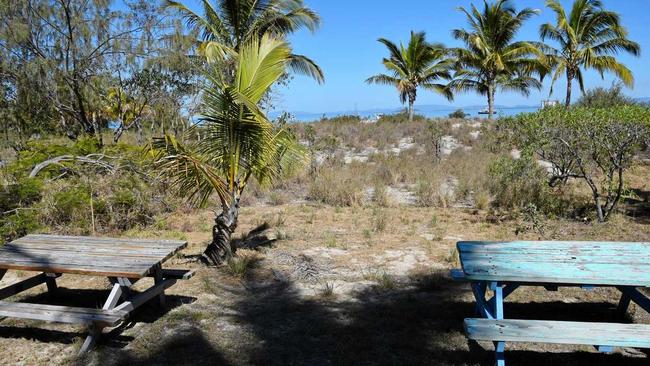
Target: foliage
{"points": [[420, 64], [492, 58], [238, 142], [225, 28], [60, 57], [604, 97], [594, 145], [516, 184], [589, 37], [458, 113]]}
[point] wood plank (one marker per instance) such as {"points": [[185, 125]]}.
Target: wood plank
{"points": [[83, 240], [79, 269], [593, 263], [113, 257], [559, 332], [61, 314]]}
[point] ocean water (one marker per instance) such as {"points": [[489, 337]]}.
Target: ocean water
{"points": [[472, 112]]}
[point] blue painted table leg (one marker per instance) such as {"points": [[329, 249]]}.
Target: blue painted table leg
{"points": [[482, 305], [497, 310], [623, 305], [499, 350], [640, 299]]}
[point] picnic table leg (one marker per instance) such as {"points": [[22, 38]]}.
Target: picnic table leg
{"points": [[158, 278], [93, 334], [50, 281], [2, 273], [94, 331], [623, 305], [499, 350]]}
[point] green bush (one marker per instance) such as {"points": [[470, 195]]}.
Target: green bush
{"points": [[518, 183], [458, 113], [604, 97], [596, 146]]}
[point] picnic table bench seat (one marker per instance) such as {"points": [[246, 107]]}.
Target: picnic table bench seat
{"points": [[62, 314], [502, 267], [559, 332]]}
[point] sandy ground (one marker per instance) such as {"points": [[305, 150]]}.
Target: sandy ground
{"points": [[339, 286]]}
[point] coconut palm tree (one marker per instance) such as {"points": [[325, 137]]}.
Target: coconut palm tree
{"points": [[224, 27], [588, 38], [237, 141], [491, 58], [420, 64]]}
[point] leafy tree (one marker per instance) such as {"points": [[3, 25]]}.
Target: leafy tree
{"points": [[589, 38], [224, 28], [458, 113], [237, 141], [420, 64], [594, 145], [605, 97], [66, 53], [491, 58]]}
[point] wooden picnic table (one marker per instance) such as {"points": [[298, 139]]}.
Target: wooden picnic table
{"points": [[503, 267], [123, 261]]}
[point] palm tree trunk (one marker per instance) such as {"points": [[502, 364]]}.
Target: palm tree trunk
{"points": [[221, 249], [411, 109], [569, 87], [490, 101]]}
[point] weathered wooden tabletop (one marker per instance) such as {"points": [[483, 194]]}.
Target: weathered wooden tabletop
{"points": [[566, 262], [111, 257]]}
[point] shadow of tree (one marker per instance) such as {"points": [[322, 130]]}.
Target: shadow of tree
{"points": [[403, 327], [187, 346]]}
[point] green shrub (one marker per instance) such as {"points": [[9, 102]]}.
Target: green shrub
{"points": [[333, 187], [517, 183], [593, 145], [458, 113], [604, 97]]}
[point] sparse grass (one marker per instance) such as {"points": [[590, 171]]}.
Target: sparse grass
{"points": [[327, 291], [330, 240], [380, 196], [379, 220], [384, 280], [241, 265]]}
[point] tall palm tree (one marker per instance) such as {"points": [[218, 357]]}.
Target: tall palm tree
{"points": [[588, 38], [491, 58], [238, 142], [420, 64], [224, 27]]}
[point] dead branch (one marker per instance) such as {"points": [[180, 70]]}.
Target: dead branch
{"points": [[94, 159]]}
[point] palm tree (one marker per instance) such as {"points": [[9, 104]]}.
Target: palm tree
{"points": [[588, 38], [491, 59], [224, 28], [420, 64], [237, 141]]}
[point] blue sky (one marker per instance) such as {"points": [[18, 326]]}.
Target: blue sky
{"points": [[346, 48]]}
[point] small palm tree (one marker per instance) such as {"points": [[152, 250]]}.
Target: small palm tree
{"points": [[420, 64], [224, 28], [491, 59], [587, 37], [237, 141]]}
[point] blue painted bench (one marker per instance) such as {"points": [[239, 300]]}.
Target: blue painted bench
{"points": [[502, 267]]}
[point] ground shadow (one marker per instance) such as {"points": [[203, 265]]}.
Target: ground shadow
{"points": [[188, 346], [413, 326]]}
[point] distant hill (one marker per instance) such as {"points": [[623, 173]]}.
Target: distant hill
{"points": [[429, 110], [644, 100]]}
